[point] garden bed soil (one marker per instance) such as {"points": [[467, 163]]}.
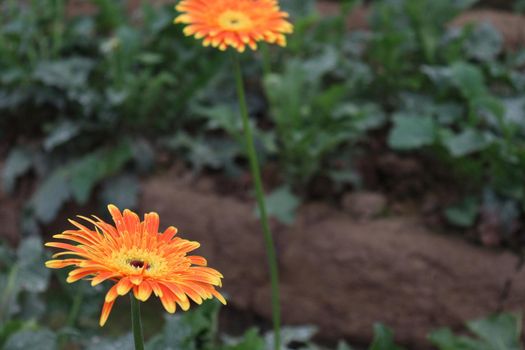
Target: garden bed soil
{"points": [[338, 272]]}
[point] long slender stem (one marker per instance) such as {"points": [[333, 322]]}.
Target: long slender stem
{"points": [[72, 316], [256, 174], [8, 292], [136, 323]]}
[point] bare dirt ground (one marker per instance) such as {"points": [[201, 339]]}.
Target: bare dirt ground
{"points": [[340, 273]]}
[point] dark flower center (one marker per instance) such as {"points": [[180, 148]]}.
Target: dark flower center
{"points": [[137, 264]]}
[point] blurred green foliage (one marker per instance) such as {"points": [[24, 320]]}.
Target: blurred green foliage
{"points": [[66, 318], [87, 103], [90, 101]]}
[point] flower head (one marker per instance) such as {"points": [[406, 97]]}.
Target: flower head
{"points": [[136, 257], [235, 23]]}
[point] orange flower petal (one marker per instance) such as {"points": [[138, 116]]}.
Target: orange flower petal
{"points": [[124, 286], [106, 310], [144, 291]]}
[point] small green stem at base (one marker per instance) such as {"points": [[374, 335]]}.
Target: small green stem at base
{"points": [[136, 323], [259, 193]]}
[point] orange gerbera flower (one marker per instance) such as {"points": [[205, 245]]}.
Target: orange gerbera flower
{"points": [[235, 23], [135, 256]]}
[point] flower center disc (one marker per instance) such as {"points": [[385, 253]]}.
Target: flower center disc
{"points": [[234, 20], [138, 264]]}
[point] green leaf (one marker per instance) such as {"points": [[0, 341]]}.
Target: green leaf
{"points": [[383, 339], [500, 332], [282, 204], [61, 133], [463, 214], [18, 162], [124, 342], [251, 340], [86, 172], [300, 334], [29, 339], [469, 79], [485, 43], [50, 196], [298, 9], [193, 330], [9, 328], [67, 74], [467, 142], [33, 276], [515, 112], [444, 339], [122, 191], [411, 132], [343, 346]]}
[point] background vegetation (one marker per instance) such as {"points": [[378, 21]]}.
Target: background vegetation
{"points": [[88, 104]]}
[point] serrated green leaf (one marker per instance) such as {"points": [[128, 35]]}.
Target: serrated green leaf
{"points": [[88, 171], [467, 142], [383, 339], [463, 214], [18, 162], [50, 196], [485, 43], [444, 339], [124, 342], [500, 332], [251, 340], [9, 328], [343, 346], [282, 204], [411, 132], [61, 133], [28, 339], [32, 274], [469, 79], [121, 191]]}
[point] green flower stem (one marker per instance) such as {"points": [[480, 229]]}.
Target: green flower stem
{"points": [[136, 323], [72, 316], [8, 293], [256, 174], [73, 313]]}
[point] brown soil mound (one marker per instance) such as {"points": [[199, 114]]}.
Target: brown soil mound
{"points": [[512, 26], [340, 274]]}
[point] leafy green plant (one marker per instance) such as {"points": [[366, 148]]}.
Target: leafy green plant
{"points": [[498, 332], [74, 90], [312, 121]]}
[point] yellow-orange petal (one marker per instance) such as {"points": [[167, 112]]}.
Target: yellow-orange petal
{"points": [[136, 279], [112, 294], [168, 302], [101, 277], [124, 286], [218, 296], [144, 291], [106, 310]]}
